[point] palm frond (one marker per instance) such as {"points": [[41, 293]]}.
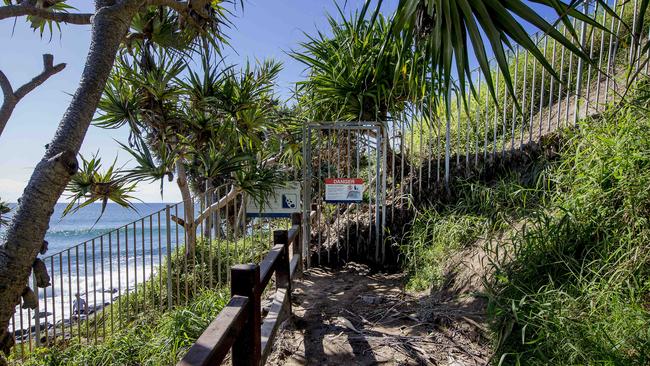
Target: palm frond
{"points": [[361, 71], [41, 25], [215, 161], [447, 29], [259, 182], [90, 185], [150, 168]]}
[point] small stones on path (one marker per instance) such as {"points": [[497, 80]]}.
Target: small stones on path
{"points": [[351, 316]]}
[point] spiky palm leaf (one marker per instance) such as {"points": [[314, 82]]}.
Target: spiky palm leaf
{"points": [[39, 24], [287, 139], [245, 89], [361, 71], [181, 35], [259, 182], [232, 103], [91, 185], [218, 161], [119, 105], [150, 168], [145, 95], [447, 29], [200, 86]]}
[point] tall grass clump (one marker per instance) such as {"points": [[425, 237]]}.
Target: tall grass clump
{"points": [[433, 237], [151, 339], [478, 211], [576, 287]]}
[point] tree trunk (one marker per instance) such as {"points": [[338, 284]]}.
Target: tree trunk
{"points": [[25, 234], [6, 110], [232, 194], [208, 197], [13, 97], [188, 208]]}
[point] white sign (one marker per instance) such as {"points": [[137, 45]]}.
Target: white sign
{"points": [[282, 203], [343, 190]]}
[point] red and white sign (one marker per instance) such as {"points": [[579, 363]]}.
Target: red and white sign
{"points": [[343, 190]]}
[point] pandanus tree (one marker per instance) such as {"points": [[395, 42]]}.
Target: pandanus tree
{"points": [[361, 71], [237, 132], [111, 27], [205, 127], [239, 127], [237, 124]]}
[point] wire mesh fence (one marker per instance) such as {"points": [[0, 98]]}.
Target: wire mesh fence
{"points": [[345, 154]]}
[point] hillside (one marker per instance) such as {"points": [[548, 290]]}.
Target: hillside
{"points": [[545, 263]]}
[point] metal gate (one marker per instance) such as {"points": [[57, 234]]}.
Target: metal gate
{"points": [[344, 191]]}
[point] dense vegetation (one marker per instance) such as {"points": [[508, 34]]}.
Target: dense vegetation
{"points": [[573, 286], [153, 338], [148, 333], [569, 276]]}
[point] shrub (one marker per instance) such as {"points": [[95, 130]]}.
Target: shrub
{"points": [[578, 289]]}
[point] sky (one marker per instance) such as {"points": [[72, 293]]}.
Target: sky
{"points": [[264, 29]]}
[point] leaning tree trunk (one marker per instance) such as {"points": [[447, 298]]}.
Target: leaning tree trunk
{"points": [[25, 234], [188, 208]]}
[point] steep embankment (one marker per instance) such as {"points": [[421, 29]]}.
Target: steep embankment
{"points": [[561, 247], [542, 262]]}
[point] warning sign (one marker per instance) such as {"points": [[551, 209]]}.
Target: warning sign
{"points": [[282, 203], [343, 190]]}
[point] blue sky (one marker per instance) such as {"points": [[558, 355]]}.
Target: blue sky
{"points": [[265, 29]]}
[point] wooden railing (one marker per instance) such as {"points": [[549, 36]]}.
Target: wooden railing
{"points": [[239, 326]]}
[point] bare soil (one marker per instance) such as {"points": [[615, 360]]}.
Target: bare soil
{"points": [[351, 316]]}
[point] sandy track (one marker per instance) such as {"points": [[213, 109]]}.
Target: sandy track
{"points": [[350, 316]]}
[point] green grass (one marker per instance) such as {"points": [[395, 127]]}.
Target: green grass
{"points": [[432, 239], [153, 338], [139, 329], [487, 118], [574, 288], [477, 211], [578, 290]]}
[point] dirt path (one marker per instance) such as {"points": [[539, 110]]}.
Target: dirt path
{"points": [[350, 316]]}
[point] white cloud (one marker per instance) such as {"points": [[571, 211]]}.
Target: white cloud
{"points": [[11, 189], [150, 192]]}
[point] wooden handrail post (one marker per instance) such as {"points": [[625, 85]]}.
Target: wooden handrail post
{"points": [[296, 219], [283, 271], [282, 274], [245, 281]]}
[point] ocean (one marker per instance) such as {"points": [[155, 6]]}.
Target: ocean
{"points": [[76, 228], [89, 257]]}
